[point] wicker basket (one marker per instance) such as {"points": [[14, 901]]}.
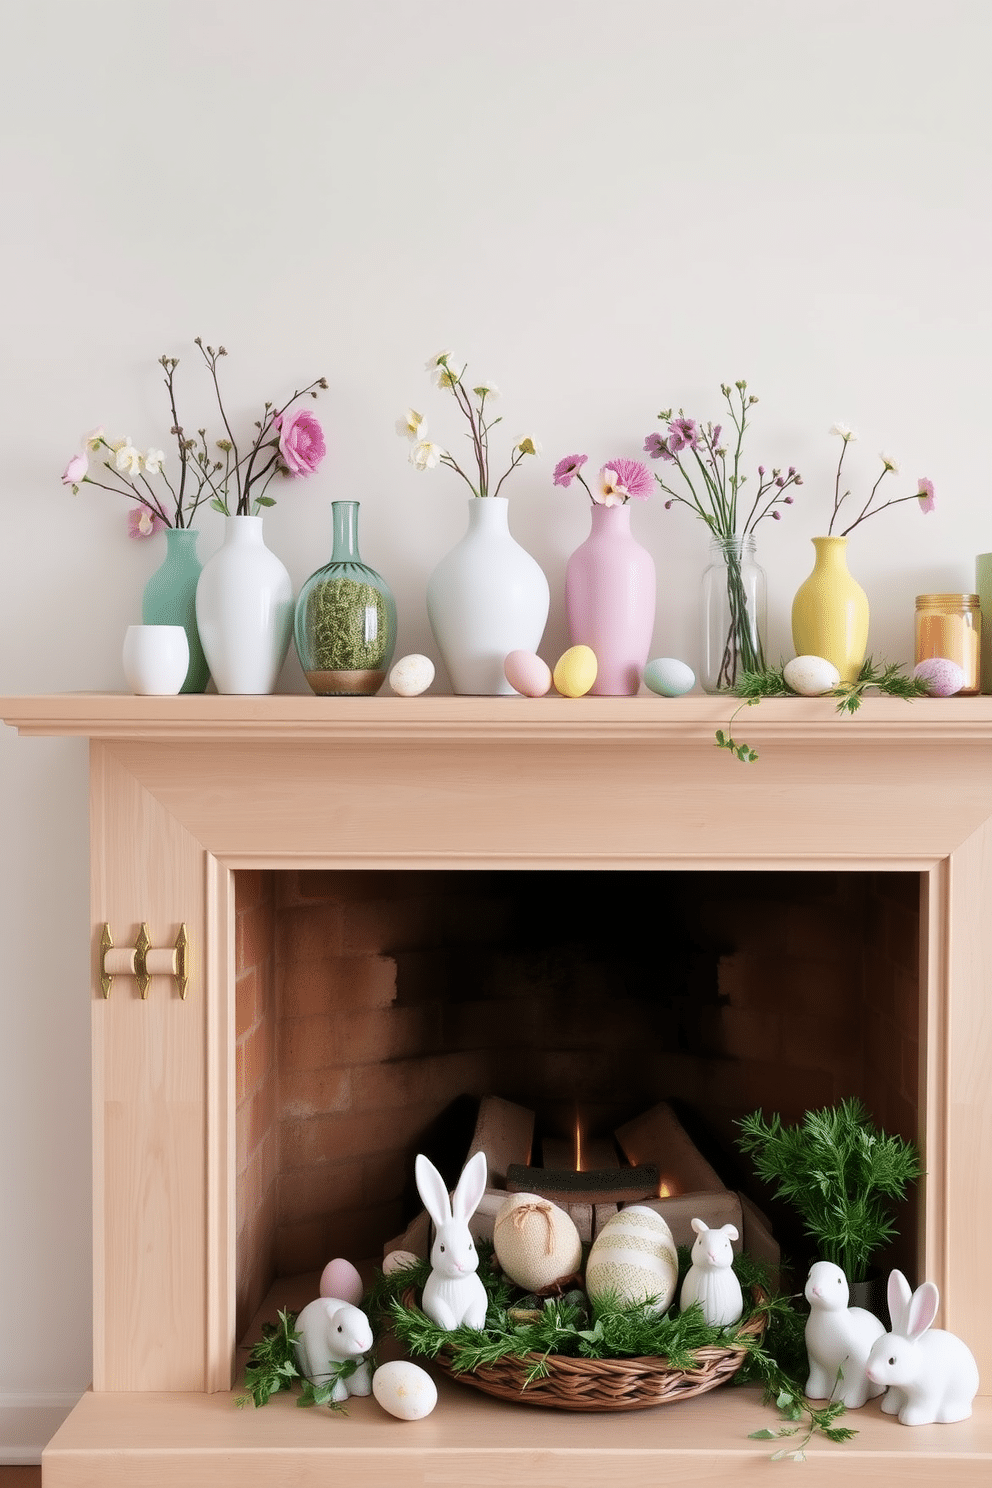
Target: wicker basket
{"points": [[604, 1384]]}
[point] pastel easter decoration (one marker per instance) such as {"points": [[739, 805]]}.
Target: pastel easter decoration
{"points": [[633, 1258], [527, 673], [340, 1278], [399, 1260], [536, 1243], [838, 1337], [710, 1280], [453, 1294], [575, 671], [669, 677], [404, 1390], [931, 1374], [411, 675], [941, 676], [811, 676], [331, 1332]]}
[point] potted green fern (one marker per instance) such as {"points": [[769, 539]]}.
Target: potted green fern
{"points": [[840, 1172]]}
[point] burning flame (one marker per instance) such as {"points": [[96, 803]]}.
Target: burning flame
{"points": [[578, 1146], [664, 1192]]}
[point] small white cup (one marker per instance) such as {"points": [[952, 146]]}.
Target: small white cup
{"points": [[156, 659]]}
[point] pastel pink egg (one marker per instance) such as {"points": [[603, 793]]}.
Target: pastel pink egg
{"points": [[341, 1279], [527, 673], [941, 676]]}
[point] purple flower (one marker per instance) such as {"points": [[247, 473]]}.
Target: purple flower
{"points": [[76, 470], [683, 432], [301, 441], [567, 469], [621, 479], [925, 494], [656, 447]]}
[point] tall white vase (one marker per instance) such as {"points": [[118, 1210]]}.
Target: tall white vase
{"points": [[486, 598], [244, 610]]}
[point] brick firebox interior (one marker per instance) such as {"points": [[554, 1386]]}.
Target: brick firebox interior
{"points": [[374, 1008]]}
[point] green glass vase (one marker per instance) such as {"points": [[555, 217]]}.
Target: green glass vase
{"points": [[345, 622], [170, 599]]}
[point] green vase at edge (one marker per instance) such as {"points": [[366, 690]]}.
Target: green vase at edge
{"points": [[170, 599]]}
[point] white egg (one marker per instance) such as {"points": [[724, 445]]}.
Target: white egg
{"points": [[399, 1260], [811, 675], [669, 677], [633, 1258], [411, 675], [404, 1390]]}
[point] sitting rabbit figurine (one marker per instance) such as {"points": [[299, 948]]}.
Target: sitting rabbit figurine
{"points": [[838, 1337], [710, 1280], [931, 1374], [453, 1294], [331, 1332]]}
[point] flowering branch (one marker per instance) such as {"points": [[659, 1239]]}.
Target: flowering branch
{"points": [[923, 493]]}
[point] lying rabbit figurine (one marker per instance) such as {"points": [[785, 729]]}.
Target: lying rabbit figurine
{"points": [[331, 1332], [710, 1280], [453, 1294], [931, 1374], [838, 1337]]}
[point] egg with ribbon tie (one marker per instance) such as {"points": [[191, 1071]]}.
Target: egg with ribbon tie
{"points": [[536, 1243]]}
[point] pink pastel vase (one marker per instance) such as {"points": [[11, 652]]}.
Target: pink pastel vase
{"points": [[610, 600]]}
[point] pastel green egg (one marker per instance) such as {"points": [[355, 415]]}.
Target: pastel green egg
{"points": [[669, 677], [575, 671]]}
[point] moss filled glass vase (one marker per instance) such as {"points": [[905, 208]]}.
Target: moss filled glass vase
{"points": [[345, 621]]}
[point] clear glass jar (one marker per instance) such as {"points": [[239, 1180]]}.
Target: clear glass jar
{"points": [[345, 623], [950, 625], [734, 614]]}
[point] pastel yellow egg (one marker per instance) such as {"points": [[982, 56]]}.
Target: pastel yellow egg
{"points": [[575, 671]]}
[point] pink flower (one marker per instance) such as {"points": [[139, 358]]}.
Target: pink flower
{"points": [[925, 494], [75, 471], [301, 441], [623, 478], [567, 469], [143, 523], [682, 432], [657, 448]]}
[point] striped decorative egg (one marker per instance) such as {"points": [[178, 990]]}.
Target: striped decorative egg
{"points": [[633, 1258]]}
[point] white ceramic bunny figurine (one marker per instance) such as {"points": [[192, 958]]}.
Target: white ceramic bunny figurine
{"points": [[332, 1331], [710, 1280], [453, 1294], [838, 1337], [931, 1374]]}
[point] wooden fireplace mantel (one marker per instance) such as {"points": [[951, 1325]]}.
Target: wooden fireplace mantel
{"points": [[184, 791]]}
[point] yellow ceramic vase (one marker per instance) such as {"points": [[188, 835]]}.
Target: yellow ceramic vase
{"points": [[830, 611]]}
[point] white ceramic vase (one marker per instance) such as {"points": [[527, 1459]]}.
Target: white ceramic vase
{"points": [[486, 598], [244, 611]]}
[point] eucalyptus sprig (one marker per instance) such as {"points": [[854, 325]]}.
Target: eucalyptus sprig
{"points": [[885, 677]]}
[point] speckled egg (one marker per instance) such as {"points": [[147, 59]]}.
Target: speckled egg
{"points": [[404, 1390], [399, 1260], [536, 1242], [941, 676], [340, 1278], [527, 673], [633, 1258], [575, 671], [411, 675], [811, 676], [669, 677]]}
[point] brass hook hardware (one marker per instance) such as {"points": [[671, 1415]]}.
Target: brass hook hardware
{"points": [[143, 962]]}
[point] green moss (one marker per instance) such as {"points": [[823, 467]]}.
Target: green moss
{"points": [[346, 627]]}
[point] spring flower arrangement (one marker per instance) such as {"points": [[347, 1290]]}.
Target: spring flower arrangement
{"points": [[284, 443], [618, 482], [713, 488], [474, 403], [923, 493]]}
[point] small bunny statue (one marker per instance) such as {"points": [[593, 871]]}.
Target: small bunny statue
{"points": [[931, 1375], [710, 1280], [838, 1337], [453, 1294], [332, 1331]]}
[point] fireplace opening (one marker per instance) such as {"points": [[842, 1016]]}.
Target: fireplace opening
{"points": [[376, 1010]]}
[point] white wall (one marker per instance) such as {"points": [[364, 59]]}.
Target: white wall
{"points": [[607, 209]]}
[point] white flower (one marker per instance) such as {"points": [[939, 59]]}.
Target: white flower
{"points": [[613, 491], [154, 460], [527, 444], [426, 455], [888, 462], [845, 433], [486, 390], [126, 457], [444, 371], [94, 439], [412, 425]]}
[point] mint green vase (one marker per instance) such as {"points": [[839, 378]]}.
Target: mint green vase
{"points": [[170, 599]]}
